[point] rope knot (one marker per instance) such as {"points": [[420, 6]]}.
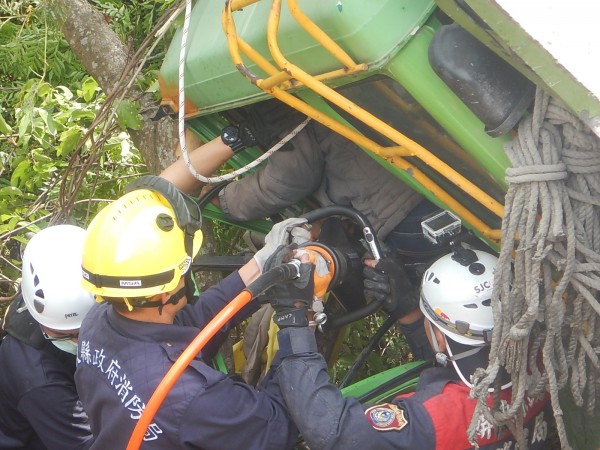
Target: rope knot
{"points": [[536, 173]]}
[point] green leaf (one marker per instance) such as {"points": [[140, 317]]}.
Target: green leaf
{"points": [[153, 87], [39, 155], [128, 115], [89, 88], [76, 114], [48, 120], [10, 191], [68, 141], [18, 176], [43, 89], [24, 124], [66, 92], [12, 223], [4, 127]]}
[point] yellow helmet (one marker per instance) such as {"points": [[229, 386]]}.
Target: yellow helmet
{"points": [[143, 243]]}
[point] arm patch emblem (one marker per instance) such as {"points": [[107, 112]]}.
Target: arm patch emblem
{"points": [[386, 417]]}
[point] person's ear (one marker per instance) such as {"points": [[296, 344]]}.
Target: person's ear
{"points": [[163, 297]]}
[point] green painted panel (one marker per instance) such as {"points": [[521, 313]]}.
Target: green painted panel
{"points": [[365, 386], [371, 32]]}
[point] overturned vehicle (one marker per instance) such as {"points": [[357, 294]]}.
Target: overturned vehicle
{"points": [[469, 105]]}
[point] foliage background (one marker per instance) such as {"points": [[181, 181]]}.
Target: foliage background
{"points": [[47, 103]]}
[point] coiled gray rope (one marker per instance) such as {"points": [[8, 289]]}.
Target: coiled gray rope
{"points": [[548, 273]]}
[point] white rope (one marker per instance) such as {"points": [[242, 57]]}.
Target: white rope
{"points": [[261, 158], [181, 117]]}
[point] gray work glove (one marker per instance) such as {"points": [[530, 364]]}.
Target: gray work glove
{"points": [[290, 299], [278, 236], [389, 282]]}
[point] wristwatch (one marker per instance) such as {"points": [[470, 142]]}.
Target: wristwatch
{"points": [[231, 136]]}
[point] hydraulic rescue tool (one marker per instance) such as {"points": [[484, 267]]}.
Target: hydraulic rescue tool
{"points": [[332, 267]]}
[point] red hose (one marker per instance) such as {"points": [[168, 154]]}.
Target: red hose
{"points": [[181, 364]]}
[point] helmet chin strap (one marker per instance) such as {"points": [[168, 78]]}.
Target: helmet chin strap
{"points": [[190, 287], [186, 291], [441, 358], [173, 299]]}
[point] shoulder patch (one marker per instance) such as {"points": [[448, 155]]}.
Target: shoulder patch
{"points": [[386, 417]]}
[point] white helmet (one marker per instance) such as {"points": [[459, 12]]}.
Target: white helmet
{"points": [[456, 296], [51, 277]]}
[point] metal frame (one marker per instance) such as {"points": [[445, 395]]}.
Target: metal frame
{"points": [[290, 76]]}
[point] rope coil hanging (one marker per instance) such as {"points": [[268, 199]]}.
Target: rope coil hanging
{"points": [[548, 273]]}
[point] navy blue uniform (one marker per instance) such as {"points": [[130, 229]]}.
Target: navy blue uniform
{"points": [[122, 361], [39, 406], [436, 416]]}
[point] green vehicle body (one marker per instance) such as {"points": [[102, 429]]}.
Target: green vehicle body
{"points": [[392, 39], [213, 84]]}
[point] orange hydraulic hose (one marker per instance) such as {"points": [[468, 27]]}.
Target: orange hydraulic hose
{"points": [[231, 309]]}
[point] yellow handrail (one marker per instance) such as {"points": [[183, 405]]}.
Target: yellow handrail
{"points": [[369, 119], [236, 5], [235, 44], [292, 75]]}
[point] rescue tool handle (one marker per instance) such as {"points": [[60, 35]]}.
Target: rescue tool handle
{"points": [[353, 214], [276, 275]]}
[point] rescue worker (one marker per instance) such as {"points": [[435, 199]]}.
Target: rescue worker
{"points": [[455, 299], [137, 261], [39, 405], [334, 171]]}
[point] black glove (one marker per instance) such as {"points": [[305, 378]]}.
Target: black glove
{"points": [[247, 135], [281, 254], [290, 300], [267, 121], [390, 283]]}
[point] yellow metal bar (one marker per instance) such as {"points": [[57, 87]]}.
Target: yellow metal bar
{"points": [[415, 113], [231, 34], [256, 57], [237, 46], [321, 37], [280, 77], [236, 5], [414, 148], [341, 72], [275, 80], [398, 161], [394, 155]]}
